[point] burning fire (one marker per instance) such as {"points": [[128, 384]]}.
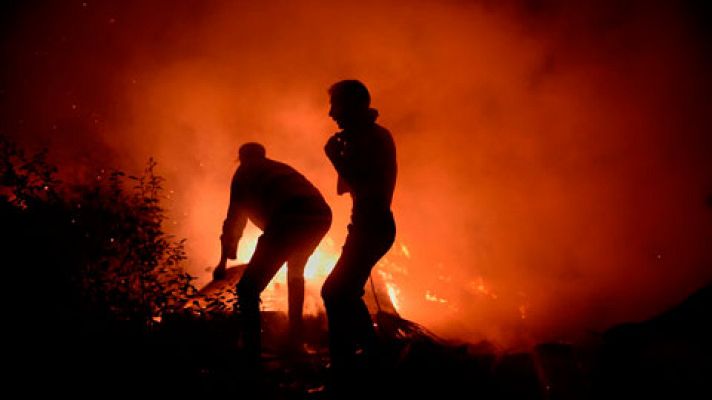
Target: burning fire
{"points": [[383, 292], [319, 265]]}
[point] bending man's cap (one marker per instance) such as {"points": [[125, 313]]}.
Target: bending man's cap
{"points": [[251, 151]]}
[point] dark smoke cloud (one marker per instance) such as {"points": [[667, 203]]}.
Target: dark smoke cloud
{"points": [[554, 157]]}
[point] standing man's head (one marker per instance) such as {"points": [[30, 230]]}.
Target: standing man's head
{"points": [[250, 152], [350, 102]]}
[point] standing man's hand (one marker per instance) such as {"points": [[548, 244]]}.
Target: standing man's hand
{"points": [[334, 147]]}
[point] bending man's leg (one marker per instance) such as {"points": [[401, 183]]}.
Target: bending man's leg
{"points": [[309, 234], [264, 264], [295, 292]]}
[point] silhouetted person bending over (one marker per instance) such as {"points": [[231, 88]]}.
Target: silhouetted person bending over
{"points": [[364, 156], [293, 217]]}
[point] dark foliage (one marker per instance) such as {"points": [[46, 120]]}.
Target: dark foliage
{"points": [[88, 251]]}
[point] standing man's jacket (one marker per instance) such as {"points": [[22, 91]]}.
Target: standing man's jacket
{"points": [[366, 162]]}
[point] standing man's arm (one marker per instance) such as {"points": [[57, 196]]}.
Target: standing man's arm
{"points": [[344, 158], [232, 229], [335, 150]]}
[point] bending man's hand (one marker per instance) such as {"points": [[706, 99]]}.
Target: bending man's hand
{"points": [[219, 271]]}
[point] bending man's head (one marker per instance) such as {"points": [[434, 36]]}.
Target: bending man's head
{"points": [[251, 151], [350, 102]]}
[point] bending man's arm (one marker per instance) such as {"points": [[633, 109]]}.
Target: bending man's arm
{"points": [[233, 226], [232, 229]]}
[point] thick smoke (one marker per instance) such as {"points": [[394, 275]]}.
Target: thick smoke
{"points": [[554, 158]]}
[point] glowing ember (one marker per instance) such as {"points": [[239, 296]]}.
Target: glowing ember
{"points": [[435, 299], [393, 293], [523, 309], [405, 251], [478, 286], [384, 271]]}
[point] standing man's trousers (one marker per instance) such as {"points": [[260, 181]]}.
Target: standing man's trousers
{"points": [[351, 329]]}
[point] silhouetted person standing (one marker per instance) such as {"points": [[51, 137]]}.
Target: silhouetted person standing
{"points": [[293, 217], [364, 156]]}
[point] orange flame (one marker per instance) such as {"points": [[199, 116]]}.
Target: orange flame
{"points": [[319, 265]]}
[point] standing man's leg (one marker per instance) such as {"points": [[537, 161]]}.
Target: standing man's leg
{"points": [[350, 324], [346, 312]]}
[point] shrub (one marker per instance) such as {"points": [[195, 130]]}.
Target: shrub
{"points": [[91, 249]]}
